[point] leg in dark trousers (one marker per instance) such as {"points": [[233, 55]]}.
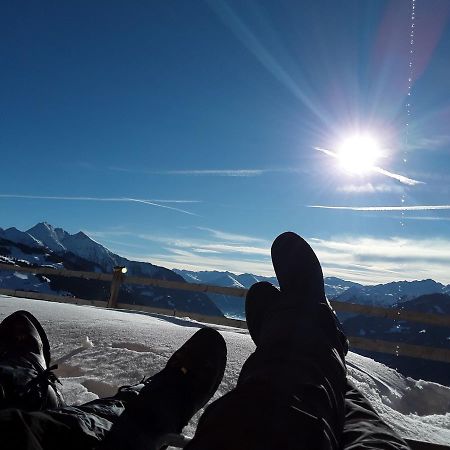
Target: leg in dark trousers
{"points": [[34, 417], [364, 429], [290, 393]]}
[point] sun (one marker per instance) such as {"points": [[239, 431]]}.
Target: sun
{"points": [[358, 153]]}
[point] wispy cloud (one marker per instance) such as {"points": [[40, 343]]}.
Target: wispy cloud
{"points": [[375, 260], [218, 234], [215, 250], [106, 199], [191, 260], [370, 188], [396, 176], [401, 178], [430, 143], [216, 242], [369, 260], [219, 172], [425, 218], [385, 208], [197, 172], [204, 245], [209, 172]]}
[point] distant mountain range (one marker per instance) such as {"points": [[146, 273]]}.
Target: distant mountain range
{"points": [[44, 245], [426, 296], [387, 295]]}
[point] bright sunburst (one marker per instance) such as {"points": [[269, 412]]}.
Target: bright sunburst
{"points": [[358, 153]]}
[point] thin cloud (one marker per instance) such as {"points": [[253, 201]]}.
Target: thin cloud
{"points": [[385, 208], [367, 260], [230, 236], [369, 188], [210, 172], [219, 172], [425, 218], [207, 246], [243, 249], [200, 245], [430, 143], [398, 177], [197, 172], [373, 260], [190, 260], [401, 178], [103, 199]]}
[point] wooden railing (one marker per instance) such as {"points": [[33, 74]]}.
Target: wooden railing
{"points": [[356, 342]]}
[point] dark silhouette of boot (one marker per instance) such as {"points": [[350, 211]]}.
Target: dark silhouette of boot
{"points": [[26, 378], [167, 401], [299, 308]]}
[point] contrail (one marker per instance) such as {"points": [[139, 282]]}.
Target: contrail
{"points": [[104, 199], [395, 176], [199, 172], [384, 208], [212, 172]]}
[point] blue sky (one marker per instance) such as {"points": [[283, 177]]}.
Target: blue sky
{"points": [[189, 134]]}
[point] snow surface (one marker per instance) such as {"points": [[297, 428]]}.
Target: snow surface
{"points": [[128, 345]]}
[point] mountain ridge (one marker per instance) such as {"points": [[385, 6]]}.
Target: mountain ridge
{"points": [[55, 247]]}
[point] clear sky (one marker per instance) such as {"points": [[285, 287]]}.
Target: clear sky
{"points": [[191, 133]]}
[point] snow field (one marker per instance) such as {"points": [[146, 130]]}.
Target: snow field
{"points": [[130, 345]]}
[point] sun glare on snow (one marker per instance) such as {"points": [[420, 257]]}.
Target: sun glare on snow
{"points": [[358, 153]]}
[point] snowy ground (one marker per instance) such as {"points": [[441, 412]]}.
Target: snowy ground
{"points": [[129, 345]]}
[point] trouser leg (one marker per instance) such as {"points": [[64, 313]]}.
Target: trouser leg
{"points": [[278, 404], [71, 427], [364, 428]]}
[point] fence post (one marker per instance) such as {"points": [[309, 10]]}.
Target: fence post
{"points": [[117, 280]]}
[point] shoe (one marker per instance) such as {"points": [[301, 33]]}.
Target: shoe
{"points": [[26, 378], [297, 268], [300, 306], [167, 401], [261, 298]]}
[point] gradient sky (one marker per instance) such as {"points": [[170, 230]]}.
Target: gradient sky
{"points": [[186, 133]]}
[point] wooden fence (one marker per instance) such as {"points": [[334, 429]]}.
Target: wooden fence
{"points": [[118, 277]]}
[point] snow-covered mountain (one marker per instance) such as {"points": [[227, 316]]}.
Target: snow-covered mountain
{"points": [[390, 294], [336, 286], [235, 307], [15, 235], [44, 245], [333, 286], [79, 244], [226, 279]]}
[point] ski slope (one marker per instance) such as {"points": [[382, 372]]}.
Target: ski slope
{"points": [[128, 345]]}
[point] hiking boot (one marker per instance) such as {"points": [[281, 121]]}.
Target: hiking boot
{"points": [[167, 401], [26, 378], [297, 268], [299, 309]]}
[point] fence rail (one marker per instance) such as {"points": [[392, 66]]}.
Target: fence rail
{"points": [[356, 342]]}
